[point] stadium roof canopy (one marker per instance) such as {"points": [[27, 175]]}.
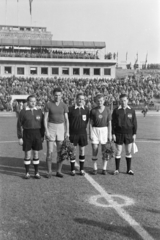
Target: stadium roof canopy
{"points": [[51, 43]]}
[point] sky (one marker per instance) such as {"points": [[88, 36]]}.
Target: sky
{"points": [[126, 26]]}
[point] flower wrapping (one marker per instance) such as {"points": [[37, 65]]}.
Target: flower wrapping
{"points": [[67, 150], [109, 151]]}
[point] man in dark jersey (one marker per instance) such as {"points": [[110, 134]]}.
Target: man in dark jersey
{"points": [[30, 132], [99, 131], [57, 128], [78, 120], [124, 128]]}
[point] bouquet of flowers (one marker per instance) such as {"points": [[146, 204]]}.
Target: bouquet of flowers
{"points": [[67, 151], [109, 151]]}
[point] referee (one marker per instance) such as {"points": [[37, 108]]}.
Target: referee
{"points": [[78, 120], [124, 129]]}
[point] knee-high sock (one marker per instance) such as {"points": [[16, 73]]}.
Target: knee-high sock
{"points": [[128, 161], [104, 164], [72, 164], [27, 163], [36, 164], [81, 161], [117, 162]]}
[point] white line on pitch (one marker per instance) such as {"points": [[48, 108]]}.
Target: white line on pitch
{"points": [[122, 213], [138, 140], [8, 141], [148, 141]]}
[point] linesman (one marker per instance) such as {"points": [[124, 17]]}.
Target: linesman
{"points": [[124, 129], [30, 132]]}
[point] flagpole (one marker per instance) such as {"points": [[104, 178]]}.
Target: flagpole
{"points": [[31, 19], [30, 3], [17, 13], [126, 56], [6, 13]]}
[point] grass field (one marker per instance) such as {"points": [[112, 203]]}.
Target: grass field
{"points": [[92, 207]]}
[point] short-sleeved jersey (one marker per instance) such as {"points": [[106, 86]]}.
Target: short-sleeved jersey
{"points": [[56, 113], [78, 119], [100, 119]]}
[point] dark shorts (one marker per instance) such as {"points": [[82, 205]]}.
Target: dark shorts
{"points": [[124, 138], [80, 139], [32, 140]]}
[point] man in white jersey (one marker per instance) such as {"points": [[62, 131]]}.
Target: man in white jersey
{"points": [[99, 131], [57, 128]]}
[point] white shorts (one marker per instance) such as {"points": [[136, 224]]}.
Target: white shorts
{"points": [[56, 131], [99, 135]]}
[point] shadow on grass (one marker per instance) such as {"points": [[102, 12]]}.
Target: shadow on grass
{"points": [[123, 231], [15, 167]]}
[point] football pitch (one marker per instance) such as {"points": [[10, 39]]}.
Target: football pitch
{"points": [[81, 207]]}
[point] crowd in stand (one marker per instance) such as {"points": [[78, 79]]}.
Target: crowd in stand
{"points": [[140, 90], [151, 66], [46, 53]]}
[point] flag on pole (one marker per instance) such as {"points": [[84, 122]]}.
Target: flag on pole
{"points": [[136, 59], [30, 5], [126, 56], [146, 58]]}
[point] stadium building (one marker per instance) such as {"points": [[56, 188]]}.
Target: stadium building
{"points": [[31, 52]]}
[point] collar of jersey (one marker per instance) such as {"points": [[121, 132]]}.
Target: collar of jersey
{"points": [[76, 106], [27, 108], [120, 107]]}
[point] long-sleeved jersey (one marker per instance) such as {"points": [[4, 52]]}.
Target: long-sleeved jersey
{"points": [[124, 121], [30, 119], [78, 119]]}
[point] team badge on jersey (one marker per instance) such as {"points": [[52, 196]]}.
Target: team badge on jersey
{"points": [[84, 117], [38, 117], [129, 115], [100, 116]]}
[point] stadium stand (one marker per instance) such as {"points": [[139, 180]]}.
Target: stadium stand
{"points": [[139, 91]]}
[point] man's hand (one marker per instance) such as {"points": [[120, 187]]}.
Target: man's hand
{"points": [[66, 134], [21, 142], [90, 138], [47, 135], [114, 137], [110, 138], [134, 137]]}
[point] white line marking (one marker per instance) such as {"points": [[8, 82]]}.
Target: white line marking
{"points": [[148, 141], [126, 201], [8, 141], [138, 140], [122, 213], [11, 167]]}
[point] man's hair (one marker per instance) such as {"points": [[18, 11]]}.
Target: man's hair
{"points": [[123, 95], [79, 94], [99, 95], [57, 90], [30, 96]]}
